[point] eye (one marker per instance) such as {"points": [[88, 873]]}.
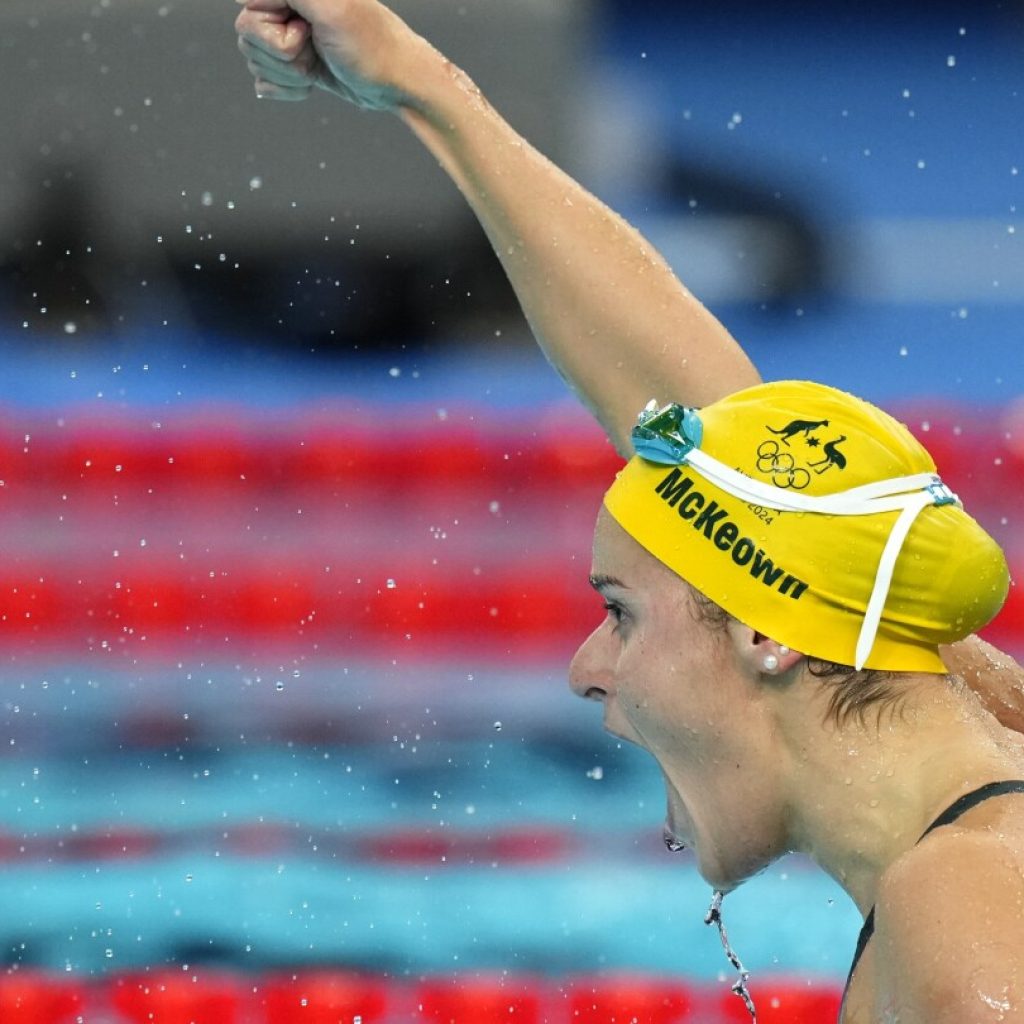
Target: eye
{"points": [[614, 610]]}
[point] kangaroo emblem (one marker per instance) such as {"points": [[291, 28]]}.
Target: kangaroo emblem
{"points": [[833, 456], [797, 427]]}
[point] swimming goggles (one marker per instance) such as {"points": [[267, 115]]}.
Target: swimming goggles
{"points": [[671, 436]]}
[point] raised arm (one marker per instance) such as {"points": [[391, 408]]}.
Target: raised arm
{"points": [[605, 307]]}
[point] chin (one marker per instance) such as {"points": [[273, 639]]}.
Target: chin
{"points": [[719, 880], [727, 877]]}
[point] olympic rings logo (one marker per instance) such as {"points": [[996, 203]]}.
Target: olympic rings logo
{"points": [[785, 473]]}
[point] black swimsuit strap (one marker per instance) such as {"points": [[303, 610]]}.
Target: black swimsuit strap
{"points": [[969, 800], [949, 815], [866, 931]]}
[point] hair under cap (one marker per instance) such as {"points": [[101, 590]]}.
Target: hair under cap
{"points": [[816, 519]]}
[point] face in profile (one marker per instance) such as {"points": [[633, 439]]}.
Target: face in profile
{"points": [[673, 683]]}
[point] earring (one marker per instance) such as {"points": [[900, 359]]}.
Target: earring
{"points": [[783, 650], [771, 663]]}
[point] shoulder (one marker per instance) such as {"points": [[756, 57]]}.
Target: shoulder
{"points": [[993, 676], [950, 928]]}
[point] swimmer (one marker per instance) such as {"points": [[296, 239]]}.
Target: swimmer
{"points": [[798, 672]]}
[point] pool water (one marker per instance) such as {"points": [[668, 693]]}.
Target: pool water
{"points": [[285, 688], [424, 823]]}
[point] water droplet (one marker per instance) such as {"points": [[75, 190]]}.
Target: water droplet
{"points": [[951, 61], [497, 726], [255, 183], [596, 773], [903, 350], [71, 327], [391, 584], [279, 685]]}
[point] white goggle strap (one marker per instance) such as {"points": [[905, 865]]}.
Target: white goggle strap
{"points": [[883, 575], [909, 494], [880, 496]]}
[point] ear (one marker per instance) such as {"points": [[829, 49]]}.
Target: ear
{"points": [[758, 654]]}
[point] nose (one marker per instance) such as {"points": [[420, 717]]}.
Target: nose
{"points": [[588, 672]]}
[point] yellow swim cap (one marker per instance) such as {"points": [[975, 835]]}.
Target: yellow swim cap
{"points": [[814, 518]]}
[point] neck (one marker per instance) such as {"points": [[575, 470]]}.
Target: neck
{"points": [[861, 793]]}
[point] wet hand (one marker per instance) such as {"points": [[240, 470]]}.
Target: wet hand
{"points": [[343, 46]]}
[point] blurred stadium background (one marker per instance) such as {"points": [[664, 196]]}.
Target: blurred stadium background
{"points": [[296, 522]]}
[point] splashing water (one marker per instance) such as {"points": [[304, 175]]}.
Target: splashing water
{"points": [[673, 844], [714, 916]]}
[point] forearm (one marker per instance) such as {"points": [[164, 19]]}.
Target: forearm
{"points": [[605, 307], [994, 676]]}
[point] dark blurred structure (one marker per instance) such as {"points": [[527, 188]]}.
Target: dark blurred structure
{"points": [[53, 273], [777, 154], [138, 142]]}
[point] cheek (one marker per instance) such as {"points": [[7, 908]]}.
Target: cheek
{"points": [[677, 707], [658, 702]]}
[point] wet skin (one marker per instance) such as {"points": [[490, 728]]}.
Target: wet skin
{"points": [[682, 689]]}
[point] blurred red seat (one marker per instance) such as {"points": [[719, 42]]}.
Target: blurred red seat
{"points": [[784, 1001], [629, 999], [480, 1000], [32, 997], [177, 997], [324, 997]]}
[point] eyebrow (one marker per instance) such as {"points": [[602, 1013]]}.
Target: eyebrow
{"points": [[600, 580]]}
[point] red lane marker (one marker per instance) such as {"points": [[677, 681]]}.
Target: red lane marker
{"points": [[458, 848], [218, 452], [174, 997], [481, 1000], [333, 995], [63, 603], [124, 842], [782, 1000], [233, 447], [34, 997], [630, 999], [324, 997]]}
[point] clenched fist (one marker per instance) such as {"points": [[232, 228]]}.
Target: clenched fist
{"points": [[353, 48]]}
